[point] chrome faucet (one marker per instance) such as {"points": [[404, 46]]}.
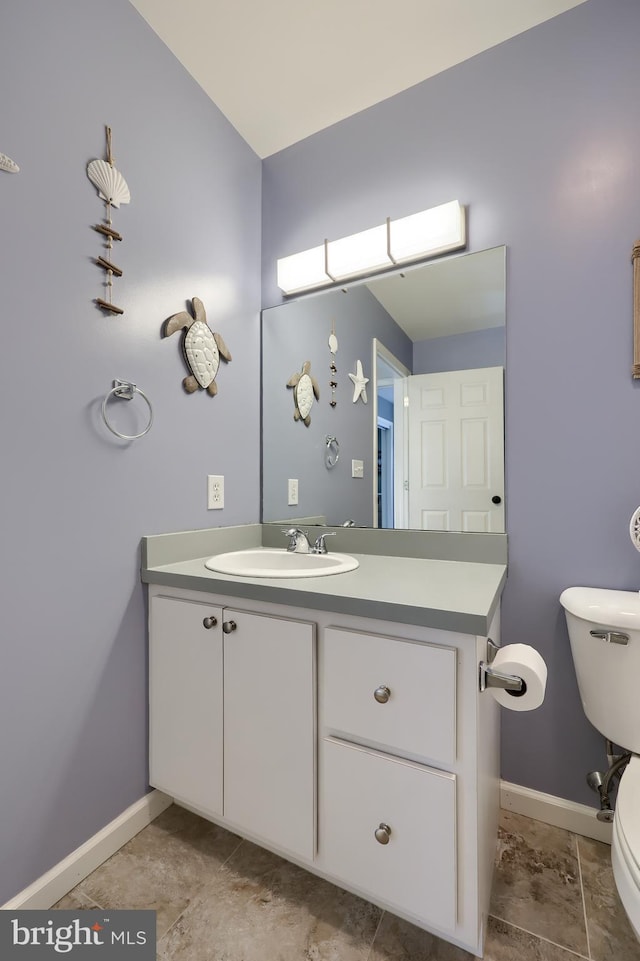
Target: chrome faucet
{"points": [[298, 541]]}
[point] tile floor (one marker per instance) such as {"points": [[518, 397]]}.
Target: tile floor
{"points": [[219, 898]]}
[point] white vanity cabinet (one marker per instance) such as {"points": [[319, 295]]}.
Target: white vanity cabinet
{"points": [[361, 749], [232, 716]]}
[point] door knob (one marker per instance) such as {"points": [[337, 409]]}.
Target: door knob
{"points": [[382, 694], [229, 626], [210, 622], [496, 499], [382, 833]]}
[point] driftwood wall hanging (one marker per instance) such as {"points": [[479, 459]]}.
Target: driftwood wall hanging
{"points": [[113, 189], [201, 347], [333, 350], [8, 165], [635, 260]]}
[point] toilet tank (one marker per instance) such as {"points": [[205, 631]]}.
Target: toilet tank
{"points": [[608, 673]]}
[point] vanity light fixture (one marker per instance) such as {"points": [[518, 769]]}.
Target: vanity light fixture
{"points": [[409, 239]]}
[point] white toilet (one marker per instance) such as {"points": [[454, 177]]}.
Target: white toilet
{"points": [[604, 631]]}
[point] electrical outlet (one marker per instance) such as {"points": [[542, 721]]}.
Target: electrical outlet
{"points": [[292, 498], [357, 468], [215, 492]]}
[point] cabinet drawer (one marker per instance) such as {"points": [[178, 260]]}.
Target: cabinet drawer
{"points": [[419, 714], [416, 869]]}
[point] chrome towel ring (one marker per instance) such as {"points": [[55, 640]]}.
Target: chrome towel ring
{"points": [[332, 453], [125, 391]]}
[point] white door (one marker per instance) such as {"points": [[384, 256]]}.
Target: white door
{"points": [[456, 451]]}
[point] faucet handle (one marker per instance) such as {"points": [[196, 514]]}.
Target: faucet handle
{"points": [[320, 547], [293, 533]]}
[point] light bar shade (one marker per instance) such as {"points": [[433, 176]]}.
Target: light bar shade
{"points": [[302, 271], [359, 254], [428, 233], [412, 238]]}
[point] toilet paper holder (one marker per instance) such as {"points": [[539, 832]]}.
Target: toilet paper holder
{"points": [[489, 677]]}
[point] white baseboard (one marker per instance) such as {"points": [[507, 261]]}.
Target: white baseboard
{"points": [[64, 876], [579, 818]]}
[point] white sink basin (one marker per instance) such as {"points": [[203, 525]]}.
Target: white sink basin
{"points": [[272, 562]]}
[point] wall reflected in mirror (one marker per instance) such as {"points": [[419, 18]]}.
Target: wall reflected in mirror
{"points": [[430, 438]]}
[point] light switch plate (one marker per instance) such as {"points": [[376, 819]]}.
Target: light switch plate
{"points": [[357, 468], [292, 491]]}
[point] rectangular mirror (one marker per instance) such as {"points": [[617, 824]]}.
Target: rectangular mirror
{"points": [[426, 451]]}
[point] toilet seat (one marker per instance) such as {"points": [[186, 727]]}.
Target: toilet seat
{"points": [[625, 847]]}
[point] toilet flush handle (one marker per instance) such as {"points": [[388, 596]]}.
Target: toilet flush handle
{"points": [[611, 637]]}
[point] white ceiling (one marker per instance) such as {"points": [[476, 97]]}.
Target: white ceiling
{"points": [[451, 296], [281, 70]]}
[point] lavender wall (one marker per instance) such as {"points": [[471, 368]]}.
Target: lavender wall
{"points": [[75, 500], [478, 348], [539, 136], [292, 334]]}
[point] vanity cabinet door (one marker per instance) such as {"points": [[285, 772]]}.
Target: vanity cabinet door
{"points": [[185, 701], [388, 828], [269, 725]]}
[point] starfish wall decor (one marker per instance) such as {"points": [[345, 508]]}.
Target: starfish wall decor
{"points": [[359, 383]]}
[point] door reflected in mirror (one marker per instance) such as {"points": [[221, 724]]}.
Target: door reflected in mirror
{"points": [[427, 450], [439, 449]]}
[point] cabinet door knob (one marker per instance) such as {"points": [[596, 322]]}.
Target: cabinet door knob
{"points": [[382, 833], [210, 622], [229, 626], [382, 695], [496, 499]]}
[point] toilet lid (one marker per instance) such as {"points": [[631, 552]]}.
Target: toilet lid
{"points": [[628, 815]]}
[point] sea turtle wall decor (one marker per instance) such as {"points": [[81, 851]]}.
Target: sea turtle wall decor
{"points": [[8, 165], [202, 348], [305, 388]]}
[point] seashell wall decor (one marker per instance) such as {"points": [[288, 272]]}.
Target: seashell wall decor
{"points": [[8, 165], [113, 189]]}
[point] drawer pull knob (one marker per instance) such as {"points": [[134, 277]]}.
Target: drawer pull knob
{"points": [[229, 626], [210, 622], [382, 695], [382, 833]]}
